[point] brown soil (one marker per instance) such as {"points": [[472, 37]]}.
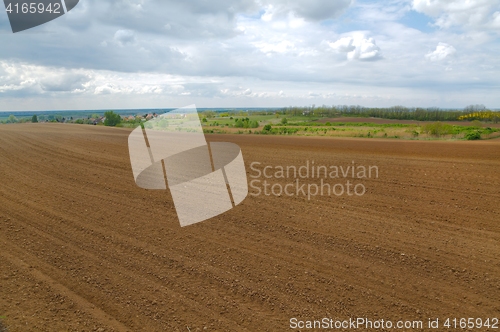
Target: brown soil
{"points": [[390, 121], [84, 249]]}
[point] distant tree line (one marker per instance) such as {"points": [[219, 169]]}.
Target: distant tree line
{"points": [[471, 112], [36, 118]]}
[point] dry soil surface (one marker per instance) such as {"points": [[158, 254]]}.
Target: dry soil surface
{"points": [[83, 249]]}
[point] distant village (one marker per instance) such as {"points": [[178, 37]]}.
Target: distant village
{"points": [[94, 119], [125, 118]]}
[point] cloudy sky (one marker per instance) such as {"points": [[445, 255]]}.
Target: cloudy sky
{"points": [[255, 53]]}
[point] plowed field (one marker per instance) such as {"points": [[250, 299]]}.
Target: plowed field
{"points": [[82, 248]]}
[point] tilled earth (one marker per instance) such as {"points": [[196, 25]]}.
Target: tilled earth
{"points": [[82, 248]]}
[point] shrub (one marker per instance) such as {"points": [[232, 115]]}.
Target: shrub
{"points": [[239, 124], [284, 121], [476, 124], [473, 135], [112, 119], [34, 119], [12, 119], [437, 129], [209, 114], [163, 123], [267, 127]]}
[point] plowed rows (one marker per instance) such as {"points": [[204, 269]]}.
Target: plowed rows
{"points": [[83, 249]]}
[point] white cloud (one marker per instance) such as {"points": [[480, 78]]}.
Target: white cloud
{"points": [[268, 13], [281, 47], [124, 37], [366, 49], [64, 81], [441, 52], [470, 14], [107, 89], [357, 47], [32, 79], [312, 10], [13, 78], [250, 52], [343, 45], [280, 20]]}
